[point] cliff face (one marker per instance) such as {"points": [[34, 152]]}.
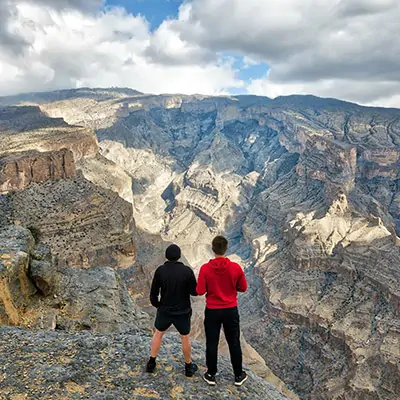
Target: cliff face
{"points": [[307, 191], [36, 292], [62, 237], [19, 170], [82, 223]]}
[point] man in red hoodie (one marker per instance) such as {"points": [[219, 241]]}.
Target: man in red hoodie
{"points": [[220, 279]]}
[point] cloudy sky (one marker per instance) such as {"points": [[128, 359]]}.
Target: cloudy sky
{"points": [[349, 49]]}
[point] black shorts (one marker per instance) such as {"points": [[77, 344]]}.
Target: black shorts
{"points": [[181, 322]]}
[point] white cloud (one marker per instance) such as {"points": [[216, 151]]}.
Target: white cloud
{"points": [[385, 94], [167, 47], [249, 62], [70, 48], [342, 48]]}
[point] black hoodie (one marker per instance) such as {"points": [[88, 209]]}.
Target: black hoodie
{"points": [[177, 282]]}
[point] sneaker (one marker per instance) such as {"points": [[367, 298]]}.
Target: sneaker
{"points": [[239, 380], [190, 369], [210, 379], [151, 366]]}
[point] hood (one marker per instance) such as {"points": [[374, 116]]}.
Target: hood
{"points": [[220, 265]]}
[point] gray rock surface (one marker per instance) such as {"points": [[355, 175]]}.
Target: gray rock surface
{"points": [[86, 299], [54, 365], [36, 292], [83, 224], [16, 288]]}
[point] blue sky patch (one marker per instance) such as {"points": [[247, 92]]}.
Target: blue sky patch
{"points": [[155, 11]]}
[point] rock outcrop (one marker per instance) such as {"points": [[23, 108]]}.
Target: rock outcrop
{"points": [[18, 170], [36, 292], [307, 191], [83, 224], [54, 365], [16, 288]]}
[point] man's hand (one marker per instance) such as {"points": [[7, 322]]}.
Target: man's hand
{"points": [[201, 288]]}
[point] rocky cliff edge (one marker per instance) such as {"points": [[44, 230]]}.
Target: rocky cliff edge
{"points": [[57, 365]]}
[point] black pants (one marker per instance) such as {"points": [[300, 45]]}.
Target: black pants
{"points": [[229, 319]]}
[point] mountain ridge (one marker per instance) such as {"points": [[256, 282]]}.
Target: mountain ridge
{"points": [[65, 94]]}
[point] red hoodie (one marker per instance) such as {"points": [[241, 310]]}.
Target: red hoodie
{"points": [[221, 279]]}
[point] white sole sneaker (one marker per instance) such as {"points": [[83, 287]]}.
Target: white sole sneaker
{"points": [[241, 382], [211, 383]]}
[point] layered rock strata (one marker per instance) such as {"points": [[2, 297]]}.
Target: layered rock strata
{"points": [[18, 170]]}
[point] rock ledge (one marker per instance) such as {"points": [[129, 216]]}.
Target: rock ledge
{"points": [[59, 365]]}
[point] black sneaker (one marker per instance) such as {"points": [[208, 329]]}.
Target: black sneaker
{"points": [[151, 366], [190, 369], [239, 380], [210, 379]]}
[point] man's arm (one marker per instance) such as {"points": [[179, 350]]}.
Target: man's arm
{"points": [[241, 285], [192, 283], [155, 290], [201, 283]]}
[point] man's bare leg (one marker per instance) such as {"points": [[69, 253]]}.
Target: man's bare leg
{"points": [[190, 367], [186, 348], [156, 343], [155, 348]]}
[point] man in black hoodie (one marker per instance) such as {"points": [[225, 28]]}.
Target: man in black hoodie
{"points": [[177, 283]]}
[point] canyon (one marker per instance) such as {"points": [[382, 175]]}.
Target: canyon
{"points": [[94, 183]]}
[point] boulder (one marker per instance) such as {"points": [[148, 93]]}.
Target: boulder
{"points": [[36, 292], [16, 289]]}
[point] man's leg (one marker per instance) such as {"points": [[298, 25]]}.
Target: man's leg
{"points": [[190, 367], [186, 348], [183, 324], [212, 325], [232, 334], [156, 343], [161, 324]]}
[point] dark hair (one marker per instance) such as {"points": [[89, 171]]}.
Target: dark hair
{"points": [[173, 253], [219, 245]]}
